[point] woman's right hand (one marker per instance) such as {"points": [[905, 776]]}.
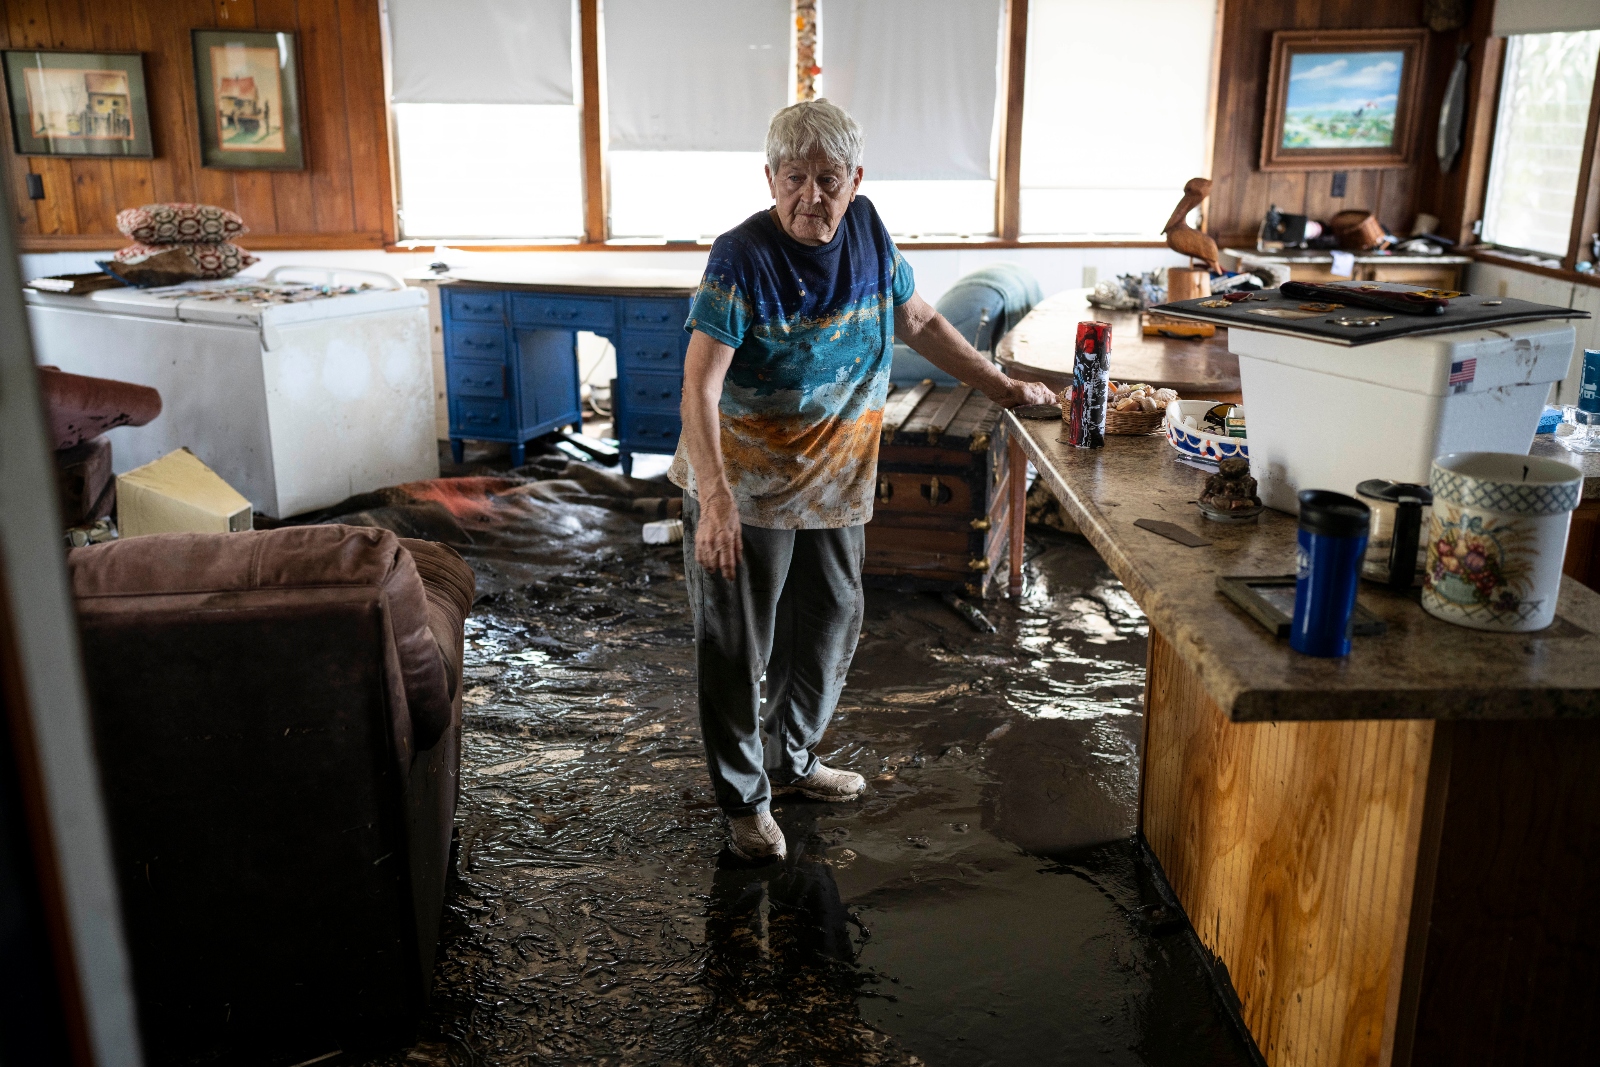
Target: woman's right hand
{"points": [[718, 542]]}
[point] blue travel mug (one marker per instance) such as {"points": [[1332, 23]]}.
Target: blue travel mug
{"points": [[1589, 384], [1333, 538]]}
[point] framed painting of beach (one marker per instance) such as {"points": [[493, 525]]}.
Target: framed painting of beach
{"points": [[1342, 99], [78, 104], [247, 87]]}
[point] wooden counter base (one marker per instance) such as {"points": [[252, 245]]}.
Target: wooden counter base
{"points": [[1381, 891]]}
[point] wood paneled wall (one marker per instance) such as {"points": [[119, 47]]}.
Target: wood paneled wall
{"points": [[344, 197], [1242, 193]]}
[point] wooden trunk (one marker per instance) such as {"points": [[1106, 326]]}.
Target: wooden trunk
{"points": [[942, 511]]}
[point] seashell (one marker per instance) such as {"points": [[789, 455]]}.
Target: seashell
{"points": [[1127, 404], [1146, 403], [1164, 395]]}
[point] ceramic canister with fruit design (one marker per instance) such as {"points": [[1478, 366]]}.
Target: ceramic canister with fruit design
{"points": [[1497, 538]]}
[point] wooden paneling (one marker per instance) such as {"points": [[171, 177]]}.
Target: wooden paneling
{"points": [[596, 190], [1292, 847], [1242, 193], [1508, 976], [1013, 73], [344, 197]]}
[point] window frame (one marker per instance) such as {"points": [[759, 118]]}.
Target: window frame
{"points": [[1586, 200], [595, 153]]}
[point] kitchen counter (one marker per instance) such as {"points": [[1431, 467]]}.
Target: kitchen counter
{"points": [[1377, 849], [1421, 668]]}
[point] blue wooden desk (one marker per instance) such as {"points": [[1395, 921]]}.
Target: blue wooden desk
{"points": [[511, 355]]}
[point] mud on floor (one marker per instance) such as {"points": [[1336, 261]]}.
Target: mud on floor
{"points": [[986, 903]]}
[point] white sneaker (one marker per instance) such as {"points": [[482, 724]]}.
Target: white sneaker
{"points": [[827, 783], [756, 837]]}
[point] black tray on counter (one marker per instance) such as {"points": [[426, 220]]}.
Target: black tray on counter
{"points": [[1271, 312]]}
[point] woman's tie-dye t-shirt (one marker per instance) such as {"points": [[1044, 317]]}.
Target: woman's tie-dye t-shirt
{"points": [[812, 330]]}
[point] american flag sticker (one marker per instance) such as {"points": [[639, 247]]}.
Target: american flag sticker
{"points": [[1461, 374]]}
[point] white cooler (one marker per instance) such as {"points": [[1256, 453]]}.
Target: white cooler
{"points": [[297, 396], [1326, 416]]}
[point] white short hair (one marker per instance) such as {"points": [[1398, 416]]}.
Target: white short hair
{"points": [[810, 127]]}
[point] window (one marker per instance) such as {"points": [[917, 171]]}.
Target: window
{"points": [[690, 87], [1114, 119], [922, 78], [486, 119], [489, 171], [1538, 143]]}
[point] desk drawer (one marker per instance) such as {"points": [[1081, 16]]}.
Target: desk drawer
{"points": [[476, 419], [661, 354], [476, 342], [639, 314], [650, 431], [471, 378], [470, 305], [653, 392], [572, 312]]}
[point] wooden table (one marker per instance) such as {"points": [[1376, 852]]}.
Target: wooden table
{"points": [[1040, 349], [1395, 855]]}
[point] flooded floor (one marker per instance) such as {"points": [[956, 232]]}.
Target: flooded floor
{"points": [[986, 903]]}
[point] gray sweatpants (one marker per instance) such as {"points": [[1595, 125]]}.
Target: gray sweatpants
{"points": [[794, 612]]}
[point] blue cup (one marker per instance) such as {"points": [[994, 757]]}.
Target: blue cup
{"points": [[1333, 539], [1589, 383]]}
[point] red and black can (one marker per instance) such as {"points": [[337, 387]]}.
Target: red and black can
{"points": [[1091, 374]]}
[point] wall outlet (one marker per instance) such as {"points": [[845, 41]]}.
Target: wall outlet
{"points": [[1336, 189], [35, 187], [1091, 277]]}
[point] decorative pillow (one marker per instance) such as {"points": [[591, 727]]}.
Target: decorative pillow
{"points": [[147, 266], [166, 224]]}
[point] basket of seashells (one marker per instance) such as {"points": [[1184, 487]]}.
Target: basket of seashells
{"points": [[1136, 409]]}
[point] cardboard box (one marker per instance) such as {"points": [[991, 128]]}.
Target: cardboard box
{"points": [[178, 494]]}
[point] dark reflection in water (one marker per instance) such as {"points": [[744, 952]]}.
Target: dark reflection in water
{"points": [[986, 903]]}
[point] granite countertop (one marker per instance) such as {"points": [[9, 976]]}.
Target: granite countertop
{"points": [[1588, 462], [1422, 668]]}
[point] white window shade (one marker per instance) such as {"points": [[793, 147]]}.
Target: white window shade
{"points": [[481, 51], [1545, 16], [1114, 118], [695, 75], [920, 76]]}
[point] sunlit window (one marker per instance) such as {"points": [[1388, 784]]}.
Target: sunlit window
{"points": [[1114, 113], [684, 195], [1538, 141], [933, 208], [489, 171]]}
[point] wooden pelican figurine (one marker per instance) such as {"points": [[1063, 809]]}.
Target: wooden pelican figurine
{"points": [[1185, 239]]}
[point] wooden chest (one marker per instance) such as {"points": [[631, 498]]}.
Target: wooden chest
{"points": [[940, 520]]}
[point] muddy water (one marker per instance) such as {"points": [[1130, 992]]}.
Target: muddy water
{"points": [[985, 904]]}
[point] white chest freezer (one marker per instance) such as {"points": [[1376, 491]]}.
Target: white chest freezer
{"points": [[1327, 416], [299, 395]]}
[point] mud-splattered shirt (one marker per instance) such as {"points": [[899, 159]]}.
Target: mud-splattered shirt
{"points": [[812, 331]]}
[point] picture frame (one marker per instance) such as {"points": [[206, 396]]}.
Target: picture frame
{"points": [[247, 92], [1343, 99], [78, 104]]}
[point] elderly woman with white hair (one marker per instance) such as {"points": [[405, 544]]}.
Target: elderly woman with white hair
{"points": [[783, 394]]}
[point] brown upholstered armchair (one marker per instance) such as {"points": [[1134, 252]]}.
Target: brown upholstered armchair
{"points": [[277, 717]]}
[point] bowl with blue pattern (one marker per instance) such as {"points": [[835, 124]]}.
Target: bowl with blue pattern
{"points": [[1196, 443]]}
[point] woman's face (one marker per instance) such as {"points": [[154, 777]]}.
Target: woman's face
{"points": [[812, 196]]}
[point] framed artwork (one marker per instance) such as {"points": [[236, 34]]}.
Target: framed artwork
{"points": [[1342, 99], [78, 103], [247, 86]]}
